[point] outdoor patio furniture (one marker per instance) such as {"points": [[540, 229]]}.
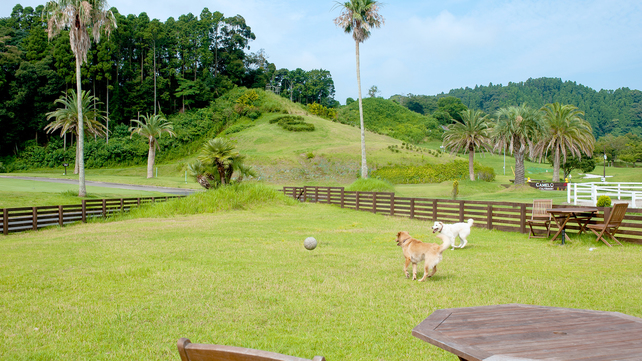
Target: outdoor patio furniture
{"points": [[611, 224], [530, 332], [207, 352], [561, 216], [540, 218]]}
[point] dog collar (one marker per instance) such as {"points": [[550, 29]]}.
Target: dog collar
{"points": [[404, 241]]}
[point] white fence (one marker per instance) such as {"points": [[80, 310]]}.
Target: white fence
{"points": [[588, 193]]}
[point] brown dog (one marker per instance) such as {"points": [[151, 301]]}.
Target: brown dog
{"points": [[416, 251]]}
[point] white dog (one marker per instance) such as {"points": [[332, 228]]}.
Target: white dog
{"points": [[453, 230]]}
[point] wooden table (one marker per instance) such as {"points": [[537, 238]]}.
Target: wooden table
{"points": [[525, 332], [561, 216]]}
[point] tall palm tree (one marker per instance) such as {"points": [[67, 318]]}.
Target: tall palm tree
{"points": [[358, 17], [66, 118], [79, 16], [473, 133], [152, 127], [566, 133], [517, 129]]}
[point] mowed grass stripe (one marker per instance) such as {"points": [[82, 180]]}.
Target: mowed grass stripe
{"points": [[130, 289]]}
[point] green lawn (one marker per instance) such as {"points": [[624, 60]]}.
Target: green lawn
{"points": [[28, 193], [130, 289]]}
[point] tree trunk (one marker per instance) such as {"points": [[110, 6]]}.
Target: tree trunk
{"points": [[471, 161], [364, 164], [82, 190], [150, 157], [154, 77], [519, 167], [77, 156], [556, 165]]}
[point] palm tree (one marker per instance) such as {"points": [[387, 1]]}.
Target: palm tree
{"points": [[217, 163], [566, 133], [66, 118], [517, 129], [152, 127], [358, 17], [473, 133], [221, 154], [79, 16]]}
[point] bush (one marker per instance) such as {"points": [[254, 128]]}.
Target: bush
{"points": [[293, 123], [428, 173], [487, 174], [604, 201]]}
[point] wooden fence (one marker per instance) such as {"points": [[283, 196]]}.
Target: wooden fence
{"points": [[503, 216], [33, 218]]}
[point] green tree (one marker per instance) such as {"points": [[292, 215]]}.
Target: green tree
{"points": [[472, 133], [221, 154], [453, 106], [583, 163], [152, 127], [566, 134], [66, 119], [80, 17], [358, 17], [517, 129]]}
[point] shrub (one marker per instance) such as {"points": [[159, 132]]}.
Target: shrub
{"points": [[485, 173], [322, 111], [604, 201], [293, 123], [428, 173]]}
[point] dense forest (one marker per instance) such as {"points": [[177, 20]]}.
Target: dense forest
{"points": [[615, 112], [144, 66]]}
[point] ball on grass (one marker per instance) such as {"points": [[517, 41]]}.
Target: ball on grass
{"points": [[310, 243]]}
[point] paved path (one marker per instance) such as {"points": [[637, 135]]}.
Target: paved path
{"points": [[175, 191]]}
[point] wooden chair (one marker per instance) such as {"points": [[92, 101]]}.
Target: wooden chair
{"points": [[207, 352], [540, 217], [610, 225]]}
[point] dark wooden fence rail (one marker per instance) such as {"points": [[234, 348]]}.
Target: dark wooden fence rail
{"points": [[503, 216], [33, 218]]}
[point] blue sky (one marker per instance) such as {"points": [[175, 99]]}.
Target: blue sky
{"points": [[429, 47]]}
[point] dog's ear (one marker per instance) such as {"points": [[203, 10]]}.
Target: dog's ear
{"points": [[398, 234]]}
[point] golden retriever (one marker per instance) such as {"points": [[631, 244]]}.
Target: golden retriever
{"points": [[416, 251]]}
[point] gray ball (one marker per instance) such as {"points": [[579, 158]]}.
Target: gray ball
{"points": [[310, 243]]}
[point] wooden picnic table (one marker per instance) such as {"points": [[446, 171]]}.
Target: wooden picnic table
{"points": [[561, 216], [526, 332]]}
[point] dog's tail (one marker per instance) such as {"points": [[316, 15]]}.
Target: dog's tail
{"points": [[470, 222], [446, 242]]}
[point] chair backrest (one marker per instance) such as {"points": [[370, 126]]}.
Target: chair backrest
{"points": [[207, 352], [539, 208], [617, 214]]}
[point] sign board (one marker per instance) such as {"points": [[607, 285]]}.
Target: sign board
{"points": [[65, 164], [549, 186]]}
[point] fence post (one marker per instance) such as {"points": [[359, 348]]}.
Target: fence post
{"points": [[412, 208], [104, 208], [342, 195], [5, 221], [357, 202], [574, 194], [434, 210], [329, 195], [374, 203], [34, 218], [619, 195], [316, 194], [84, 211], [522, 218], [122, 205], [461, 211], [489, 216], [138, 202], [594, 194], [392, 204], [60, 216], [568, 193]]}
